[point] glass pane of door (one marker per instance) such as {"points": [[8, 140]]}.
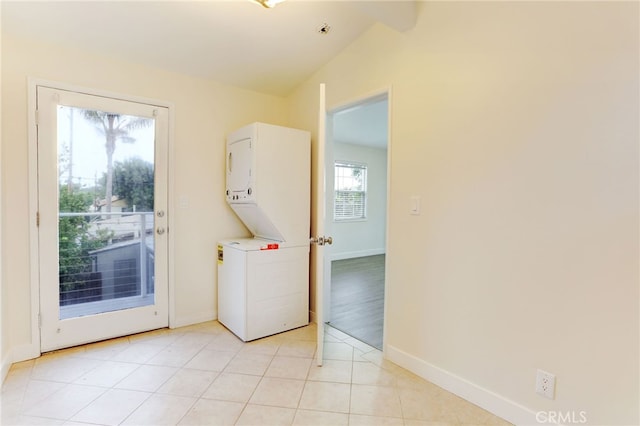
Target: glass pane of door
{"points": [[105, 210]]}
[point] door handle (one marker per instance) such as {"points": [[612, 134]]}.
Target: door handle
{"points": [[321, 240]]}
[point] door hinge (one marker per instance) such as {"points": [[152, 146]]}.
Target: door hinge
{"points": [[37, 219], [39, 320], [37, 117]]}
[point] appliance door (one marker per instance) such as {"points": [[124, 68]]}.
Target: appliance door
{"points": [[278, 290], [239, 165]]}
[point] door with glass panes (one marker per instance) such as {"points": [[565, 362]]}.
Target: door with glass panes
{"points": [[102, 217]]}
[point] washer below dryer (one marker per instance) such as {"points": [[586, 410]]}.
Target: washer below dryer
{"points": [[263, 287]]}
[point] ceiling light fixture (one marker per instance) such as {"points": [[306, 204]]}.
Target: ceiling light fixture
{"points": [[268, 3]]}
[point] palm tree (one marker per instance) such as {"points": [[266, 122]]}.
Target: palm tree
{"points": [[114, 127]]}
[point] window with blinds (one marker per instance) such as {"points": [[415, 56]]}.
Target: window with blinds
{"points": [[350, 191]]}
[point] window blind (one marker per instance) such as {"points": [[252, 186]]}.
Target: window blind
{"points": [[350, 191]]}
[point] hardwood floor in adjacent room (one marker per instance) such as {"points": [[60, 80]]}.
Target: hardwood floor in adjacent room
{"points": [[357, 298]]}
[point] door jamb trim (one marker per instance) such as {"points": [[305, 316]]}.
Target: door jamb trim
{"points": [[373, 96]]}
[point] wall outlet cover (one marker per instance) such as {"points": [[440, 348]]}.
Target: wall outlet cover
{"points": [[545, 384]]}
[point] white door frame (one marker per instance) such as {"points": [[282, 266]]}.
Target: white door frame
{"points": [[33, 350], [324, 299]]}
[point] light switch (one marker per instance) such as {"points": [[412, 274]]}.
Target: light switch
{"points": [[414, 205]]}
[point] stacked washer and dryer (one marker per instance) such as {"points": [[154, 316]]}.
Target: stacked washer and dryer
{"points": [[263, 282]]}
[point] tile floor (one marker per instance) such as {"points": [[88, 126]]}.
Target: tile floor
{"points": [[204, 375]]}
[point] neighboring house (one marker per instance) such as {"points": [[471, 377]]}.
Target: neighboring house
{"points": [[117, 205], [122, 273], [119, 263]]}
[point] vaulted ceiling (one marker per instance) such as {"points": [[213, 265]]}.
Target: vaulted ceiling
{"points": [[236, 42]]}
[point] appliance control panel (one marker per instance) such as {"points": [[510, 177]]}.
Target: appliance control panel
{"points": [[239, 196]]}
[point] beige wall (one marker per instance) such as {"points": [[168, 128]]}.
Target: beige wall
{"points": [[517, 124], [204, 113]]}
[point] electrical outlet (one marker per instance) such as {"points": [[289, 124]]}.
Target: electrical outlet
{"points": [[545, 384]]}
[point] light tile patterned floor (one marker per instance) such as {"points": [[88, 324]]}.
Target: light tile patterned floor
{"points": [[204, 375]]}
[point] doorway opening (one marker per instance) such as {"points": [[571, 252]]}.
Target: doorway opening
{"points": [[356, 169]]}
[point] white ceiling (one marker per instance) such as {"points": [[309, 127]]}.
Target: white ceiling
{"points": [[363, 124], [235, 42]]}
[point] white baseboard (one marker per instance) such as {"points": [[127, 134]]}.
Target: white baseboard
{"points": [[24, 352], [4, 368], [354, 254], [194, 319], [490, 401], [17, 354]]}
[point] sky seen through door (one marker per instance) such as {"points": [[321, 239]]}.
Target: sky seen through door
{"points": [[81, 150]]}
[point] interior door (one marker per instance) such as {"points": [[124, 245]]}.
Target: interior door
{"points": [[102, 211], [321, 261]]}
